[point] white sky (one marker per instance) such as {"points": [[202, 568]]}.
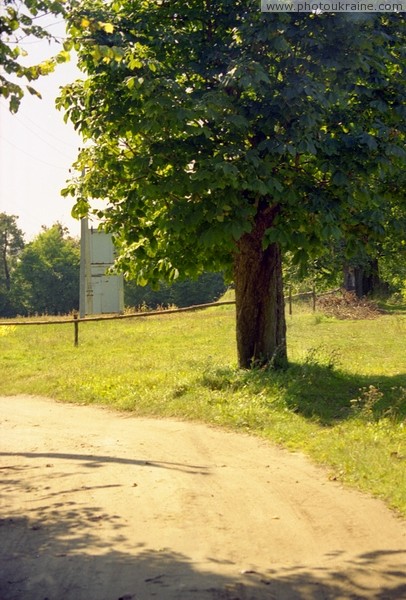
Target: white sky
{"points": [[37, 150]]}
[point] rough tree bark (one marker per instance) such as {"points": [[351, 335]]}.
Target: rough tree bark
{"points": [[261, 327], [364, 280]]}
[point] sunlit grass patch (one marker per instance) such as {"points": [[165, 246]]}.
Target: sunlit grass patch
{"points": [[7, 330], [342, 399]]}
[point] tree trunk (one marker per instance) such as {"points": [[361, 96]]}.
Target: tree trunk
{"points": [[261, 327], [367, 279]]}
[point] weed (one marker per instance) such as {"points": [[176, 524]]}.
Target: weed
{"points": [[373, 404], [366, 404], [323, 356], [397, 409], [321, 318]]}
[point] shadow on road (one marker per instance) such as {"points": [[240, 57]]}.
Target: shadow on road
{"points": [[59, 553], [95, 461]]}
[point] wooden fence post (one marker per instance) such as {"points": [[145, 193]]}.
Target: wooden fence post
{"points": [[314, 297], [76, 326]]}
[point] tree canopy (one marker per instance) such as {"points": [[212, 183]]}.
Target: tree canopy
{"points": [[19, 21], [224, 137]]}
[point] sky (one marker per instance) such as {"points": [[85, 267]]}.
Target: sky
{"points": [[37, 149]]}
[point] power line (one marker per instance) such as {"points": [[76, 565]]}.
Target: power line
{"points": [[34, 157], [41, 138], [24, 117]]}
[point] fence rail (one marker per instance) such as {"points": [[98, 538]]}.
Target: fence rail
{"points": [[153, 313], [76, 319]]}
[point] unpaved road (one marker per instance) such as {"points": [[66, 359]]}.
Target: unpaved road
{"points": [[100, 506]]}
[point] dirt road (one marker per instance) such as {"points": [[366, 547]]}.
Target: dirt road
{"points": [[100, 506]]}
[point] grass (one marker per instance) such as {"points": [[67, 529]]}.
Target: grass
{"points": [[342, 400]]}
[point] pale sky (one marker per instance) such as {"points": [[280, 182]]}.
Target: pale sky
{"points": [[37, 150]]}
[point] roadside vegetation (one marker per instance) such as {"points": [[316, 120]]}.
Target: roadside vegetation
{"points": [[342, 400]]}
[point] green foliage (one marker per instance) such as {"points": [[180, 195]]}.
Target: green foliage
{"points": [[48, 273], [204, 118], [324, 272], [18, 21], [392, 266], [11, 245], [207, 288]]}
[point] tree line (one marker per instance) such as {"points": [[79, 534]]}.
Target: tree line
{"points": [[42, 276], [39, 277]]}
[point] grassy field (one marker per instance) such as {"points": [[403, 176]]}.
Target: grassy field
{"points": [[342, 400]]}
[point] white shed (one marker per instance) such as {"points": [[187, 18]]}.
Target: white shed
{"points": [[100, 293]]}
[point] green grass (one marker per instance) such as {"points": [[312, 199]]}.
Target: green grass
{"points": [[342, 400]]}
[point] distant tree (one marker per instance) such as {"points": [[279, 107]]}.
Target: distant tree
{"points": [[382, 233], [138, 296], [207, 288], [48, 272], [11, 245]]}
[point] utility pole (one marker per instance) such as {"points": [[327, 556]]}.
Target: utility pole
{"points": [[85, 287]]}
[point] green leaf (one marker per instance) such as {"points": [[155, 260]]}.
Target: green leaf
{"points": [[135, 63], [63, 56], [393, 150], [340, 179], [33, 91], [107, 27]]}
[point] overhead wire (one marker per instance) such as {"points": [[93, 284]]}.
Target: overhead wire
{"points": [[32, 156], [42, 138]]}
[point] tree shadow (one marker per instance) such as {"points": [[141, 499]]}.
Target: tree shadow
{"points": [[331, 395], [95, 461], [63, 545], [316, 389], [55, 556], [393, 308]]}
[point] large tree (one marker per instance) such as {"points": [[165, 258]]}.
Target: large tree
{"points": [[223, 137]]}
